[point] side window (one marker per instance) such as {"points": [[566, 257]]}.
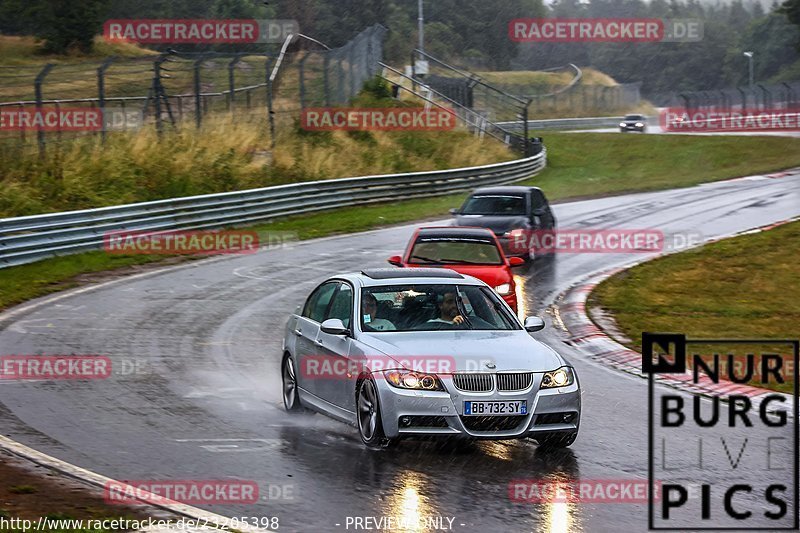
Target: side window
{"points": [[342, 307], [537, 199], [317, 303]]}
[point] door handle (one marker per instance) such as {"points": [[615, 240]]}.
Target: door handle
{"points": [[319, 342], [298, 333]]}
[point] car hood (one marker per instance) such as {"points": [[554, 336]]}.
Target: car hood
{"points": [[498, 224], [466, 350]]}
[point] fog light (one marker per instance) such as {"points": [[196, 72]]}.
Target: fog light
{"points": [[405, 421]]}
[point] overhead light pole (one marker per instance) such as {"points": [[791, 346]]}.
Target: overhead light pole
{"points": [[749, 56], [421, 24]]}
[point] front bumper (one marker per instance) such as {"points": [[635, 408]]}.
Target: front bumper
{"points": [[417, 413], [631, 127]]}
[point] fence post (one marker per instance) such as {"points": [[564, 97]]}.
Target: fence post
{"points": [[158, 91], [302, 78], [198, 108], [270, 111], [351, 67], [231, 82], [325, 79], [37, 89], [101, 93]]}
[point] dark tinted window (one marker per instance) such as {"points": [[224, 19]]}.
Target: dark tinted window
{"points": [[495, 204], [537, 199], [317, 303], [634, 117]]}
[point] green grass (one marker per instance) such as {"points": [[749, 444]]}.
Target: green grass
{"points": [[754, 291], [580, 165], [591, 164]]}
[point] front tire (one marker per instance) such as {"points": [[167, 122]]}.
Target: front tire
{"points": [[554, 441], [368, 415], [291, 399]]}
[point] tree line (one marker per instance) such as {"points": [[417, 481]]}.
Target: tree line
{"points": [[474, 33]]}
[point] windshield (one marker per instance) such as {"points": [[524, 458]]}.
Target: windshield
{"points": [[495, 204], [455, 250], [634, 117], [432, 307]]}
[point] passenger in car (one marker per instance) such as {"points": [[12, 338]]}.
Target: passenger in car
{"points": [[369, 307]]}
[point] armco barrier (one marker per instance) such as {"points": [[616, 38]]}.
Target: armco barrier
{"points": [[566, 123], [30, 238]]}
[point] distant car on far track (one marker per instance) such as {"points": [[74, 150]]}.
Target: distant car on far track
{"points": [[633, 123]]}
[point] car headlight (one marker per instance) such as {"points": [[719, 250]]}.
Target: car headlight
{"points": [[503, 289], [406, 379], [562, 377], [639, 125], [621, 124]]}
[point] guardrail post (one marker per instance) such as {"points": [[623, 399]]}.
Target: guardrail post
{"points": [[37, 89], [101, 92]]}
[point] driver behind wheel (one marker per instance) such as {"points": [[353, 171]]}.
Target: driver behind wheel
{"points": [[369, 307], [448, 310]]}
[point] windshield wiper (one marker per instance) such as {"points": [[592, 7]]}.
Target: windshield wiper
{"points": [[439, 261], [426, 259]]}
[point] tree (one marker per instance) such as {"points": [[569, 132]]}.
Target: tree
{"points": [[68, 24]]}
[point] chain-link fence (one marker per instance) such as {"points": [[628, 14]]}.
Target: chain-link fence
{"points": [[774, 96], [179, 89]]}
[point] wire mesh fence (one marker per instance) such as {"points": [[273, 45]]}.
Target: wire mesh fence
{"points": [[179, 89], [776, 96]]}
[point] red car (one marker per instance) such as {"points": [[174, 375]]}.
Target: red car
{"points": [[471, 251]]}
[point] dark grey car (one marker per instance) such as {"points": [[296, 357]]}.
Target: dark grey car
{"points": [[508, 211], [633, 123]]}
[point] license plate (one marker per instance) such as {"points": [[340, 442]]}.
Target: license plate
{"points": [[511, 407]]}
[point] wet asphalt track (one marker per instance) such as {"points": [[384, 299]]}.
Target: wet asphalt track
{"points": [[205, 401]]}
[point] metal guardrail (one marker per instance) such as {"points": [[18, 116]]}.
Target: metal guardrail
{"points": [[566, 123], [31, 238]]}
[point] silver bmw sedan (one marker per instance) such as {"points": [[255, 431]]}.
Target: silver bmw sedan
{"points": [[426, 352]]}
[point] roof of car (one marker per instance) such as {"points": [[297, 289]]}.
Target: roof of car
{"points": [[399, 273], [457, 232], [507, 189]]}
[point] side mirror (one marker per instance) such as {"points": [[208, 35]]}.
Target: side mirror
{"points": [[333, 326], [515, 261], [534, 323], [453, 211], [395, 260], [539, 211]]}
